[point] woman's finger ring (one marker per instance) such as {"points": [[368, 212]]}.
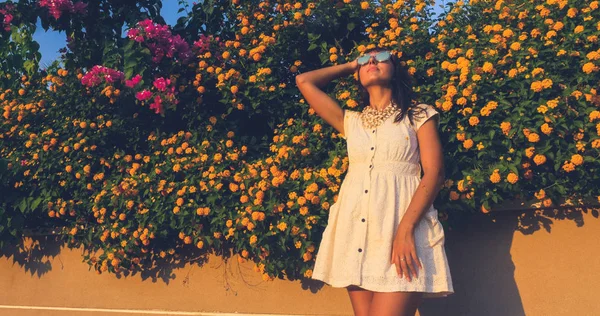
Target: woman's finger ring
{"points": [[401, 259]]}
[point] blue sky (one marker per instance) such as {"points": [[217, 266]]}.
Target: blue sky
{"points": [[51, 41]]}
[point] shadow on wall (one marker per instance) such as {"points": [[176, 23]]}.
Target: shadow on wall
{"points": [[35, 254], [479, 252], [35, 257], [484, 278]]}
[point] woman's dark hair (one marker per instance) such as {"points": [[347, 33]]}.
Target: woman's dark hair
{"points": [[402, 92]]}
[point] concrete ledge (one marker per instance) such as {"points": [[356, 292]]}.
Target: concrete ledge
{"points": [[68, 311]]}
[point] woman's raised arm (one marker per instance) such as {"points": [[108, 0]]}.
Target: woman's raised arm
{"points": [[310, 84]]}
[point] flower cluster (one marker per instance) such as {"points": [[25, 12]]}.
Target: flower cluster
{"points": [[98, 73], [133, 81], [58, 7], [7, 16], [165, 93], [203, 43], [160, 41]]}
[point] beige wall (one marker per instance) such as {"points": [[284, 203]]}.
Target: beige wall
{"points": [[496, 268]]}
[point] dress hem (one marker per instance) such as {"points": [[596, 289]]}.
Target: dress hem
{"points": [[428, 293]]}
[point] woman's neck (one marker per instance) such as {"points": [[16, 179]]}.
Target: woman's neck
{"points": [[379, 97]]}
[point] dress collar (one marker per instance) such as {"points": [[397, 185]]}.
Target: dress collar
{"points": [[372, 117]]}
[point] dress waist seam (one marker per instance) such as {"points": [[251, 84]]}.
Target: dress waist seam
{"points": [[396, 167]]}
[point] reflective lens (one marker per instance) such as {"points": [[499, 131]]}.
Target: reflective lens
{"points": [[379, 57]]}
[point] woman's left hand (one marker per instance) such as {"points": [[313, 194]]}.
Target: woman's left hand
{"points": [[404, 253]]}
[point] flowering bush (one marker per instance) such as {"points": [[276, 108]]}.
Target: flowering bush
{"points": [[100, 73], [7, 17], [237, 161], [160, 41], [56, 8]]}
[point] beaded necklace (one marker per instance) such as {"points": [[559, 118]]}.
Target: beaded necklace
{"points": [[372, 117]]}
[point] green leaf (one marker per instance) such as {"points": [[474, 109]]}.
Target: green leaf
{"points": [[313, 37], [29, 66], [35, 203], [23, 205], [211, 199]]}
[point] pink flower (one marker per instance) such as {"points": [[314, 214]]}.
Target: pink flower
{"points": [[132, 33], [8, 17], [133, 82], [203, 43], [157, 105], [161, 83], [58, 7], [99, 73], [143, 95], [160, 41], [79, 7]]}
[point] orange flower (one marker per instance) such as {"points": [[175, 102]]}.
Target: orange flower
{"points": [[512, 178], [546, 129], [568, 166], [533, 137], [484, 210], [473, 120], [577, 159], [539, 159], [495, 176], [505, 126], [454, 195], [540, 194], [468, 143]]}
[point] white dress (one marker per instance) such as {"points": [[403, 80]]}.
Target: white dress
{"points": [[383, 173]]}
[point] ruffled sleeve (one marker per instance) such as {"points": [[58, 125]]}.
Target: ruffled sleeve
{"points": [[422, 117]]}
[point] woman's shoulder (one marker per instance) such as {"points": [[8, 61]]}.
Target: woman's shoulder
{"points": [[421, 112], [350, 114], [423, 106]]}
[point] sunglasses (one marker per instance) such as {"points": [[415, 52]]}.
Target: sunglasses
{"points": [[379, 57]]}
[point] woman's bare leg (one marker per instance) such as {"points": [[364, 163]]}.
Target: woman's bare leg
{"points": [[361, 300], [395, 303]]}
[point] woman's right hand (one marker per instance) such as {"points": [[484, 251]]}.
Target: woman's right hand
{"points": [[354, 65]]}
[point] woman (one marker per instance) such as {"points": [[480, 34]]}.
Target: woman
{"points": [[383, 241]]}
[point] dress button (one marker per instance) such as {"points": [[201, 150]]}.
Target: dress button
{"points": [[373, 131], [366, 191], [363, 220], [372, 148], [370, 166], [359, 250]]}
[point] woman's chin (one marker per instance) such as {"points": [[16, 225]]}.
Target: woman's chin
{"points": [[376, 82]]}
